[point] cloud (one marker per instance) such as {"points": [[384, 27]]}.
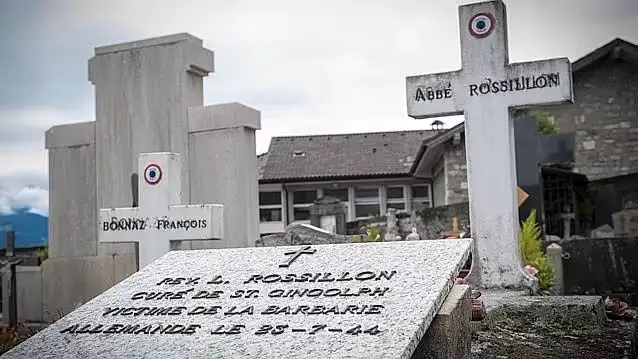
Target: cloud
{"points": [[22, 137], [14, 194], [310, 67]]}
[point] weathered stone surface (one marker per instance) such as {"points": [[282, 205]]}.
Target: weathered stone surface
{"points": [[67, 282], [333, 210], [223, 169], [626, 223], [570, 311], [403, 285], [449, 336], [439, 219], [604, 231], [601, 266], [297, 233], [72, 191], [29, 293], [565, 329], [455, 172]]}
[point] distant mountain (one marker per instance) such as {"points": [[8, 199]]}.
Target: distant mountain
{"points": [[31, 229]]}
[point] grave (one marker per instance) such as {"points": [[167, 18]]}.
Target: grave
{"points": [[486, 90], [160, 217], [330, 214], [365, 300], [149, 98]]}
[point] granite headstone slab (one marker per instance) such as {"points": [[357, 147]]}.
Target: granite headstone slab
{"points": [[363, 300]]}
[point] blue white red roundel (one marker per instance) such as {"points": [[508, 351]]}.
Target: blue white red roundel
{"points": [[152, 174], [481, 25]]}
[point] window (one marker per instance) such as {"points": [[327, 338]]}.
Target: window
{"points": [[341, 193], [270, 209], [395, 197], [366, 202], [421, 196], [301, 202]]}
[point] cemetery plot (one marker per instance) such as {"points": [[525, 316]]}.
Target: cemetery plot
{"points": [[372, 300]]}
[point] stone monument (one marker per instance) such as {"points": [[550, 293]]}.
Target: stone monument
{"points": [[160, 217], [330, 214], [486, 90], [364, 300], [149, 98]]}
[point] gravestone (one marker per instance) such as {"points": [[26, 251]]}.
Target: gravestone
{"points": [[604, 231], [301, 233], [330, 214], [160, 217], [368, 300], [149, 98], [486, 90], [626, 223]]}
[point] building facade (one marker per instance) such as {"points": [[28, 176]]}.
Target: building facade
{"points": [[368, 172], [604, 115], [603, 119]]}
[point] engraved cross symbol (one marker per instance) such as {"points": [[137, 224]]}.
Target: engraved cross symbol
{"points": [[296, 254]]}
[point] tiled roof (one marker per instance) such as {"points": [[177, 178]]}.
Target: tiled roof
{"points": [[617, 48], [261, 162], [354, 155]]}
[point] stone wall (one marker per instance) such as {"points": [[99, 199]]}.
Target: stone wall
{"points": [[456, 172], [604, 117], [432, 221], [600, 266], [611, 195]]}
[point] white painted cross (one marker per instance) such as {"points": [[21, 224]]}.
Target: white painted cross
{"points": [[485, 91], [160, 216]]}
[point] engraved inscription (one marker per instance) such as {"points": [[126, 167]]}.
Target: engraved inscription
{"points": [[294, 255], [227, 306]]}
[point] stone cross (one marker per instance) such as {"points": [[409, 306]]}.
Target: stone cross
{"points": [[160, 217], [486, 90], [455, 232], [296, 254]]}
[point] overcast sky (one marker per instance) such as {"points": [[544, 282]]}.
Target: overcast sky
{"points": [[310, 67]]}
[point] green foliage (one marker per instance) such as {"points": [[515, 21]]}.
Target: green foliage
{"points": [[545, 125], [373, 235], [545, 272], [530, 236], [43, 254]]}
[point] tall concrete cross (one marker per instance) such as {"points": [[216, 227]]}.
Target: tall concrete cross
{"points": [[486, 90], [160, 216]]}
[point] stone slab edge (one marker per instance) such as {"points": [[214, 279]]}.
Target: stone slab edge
{"points": [[579, 311], [74, 134], [221, 116], [156, 41]]}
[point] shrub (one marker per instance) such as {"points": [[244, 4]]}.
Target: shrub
{"points": [[530, 237], [373, 234]]}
